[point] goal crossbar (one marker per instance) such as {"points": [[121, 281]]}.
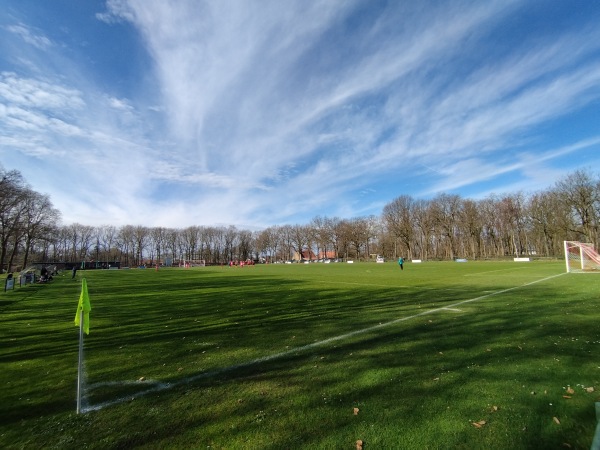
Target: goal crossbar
{"points": [[581, 257]]}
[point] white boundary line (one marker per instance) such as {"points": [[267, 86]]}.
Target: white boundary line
{"points": [[159, 386]]}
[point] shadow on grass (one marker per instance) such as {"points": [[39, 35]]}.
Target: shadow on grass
{"points": [[434, 357]]}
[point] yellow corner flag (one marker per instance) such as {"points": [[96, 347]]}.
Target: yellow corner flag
{"points": [[85, 306]]}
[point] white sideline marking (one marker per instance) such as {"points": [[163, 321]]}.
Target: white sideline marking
{"points": [[159, 386]]}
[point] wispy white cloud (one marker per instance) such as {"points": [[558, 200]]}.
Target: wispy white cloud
{"points": [[30, 36], [35, 93], [228, 96], [120, 104]]}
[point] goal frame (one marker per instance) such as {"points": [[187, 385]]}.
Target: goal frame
{"points": [[581, 257]]}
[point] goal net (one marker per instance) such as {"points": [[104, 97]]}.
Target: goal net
{"points": [[581, 257]]}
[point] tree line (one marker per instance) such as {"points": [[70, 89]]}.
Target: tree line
{"points": [[444, 227]]}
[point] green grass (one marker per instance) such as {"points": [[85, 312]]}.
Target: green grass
{"points": [[277, 357]]}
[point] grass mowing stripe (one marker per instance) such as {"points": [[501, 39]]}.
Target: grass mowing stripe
{"points": [[160, 386]]}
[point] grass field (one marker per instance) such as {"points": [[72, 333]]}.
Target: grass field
{"points": [[490, 355]]}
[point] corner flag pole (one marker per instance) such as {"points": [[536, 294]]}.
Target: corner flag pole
{"points": [[80, 365], [82, 319]]}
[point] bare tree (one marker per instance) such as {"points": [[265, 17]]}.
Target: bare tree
{"points": [[80, 239], [267, 243], [158, 236], [473, 226], [61, 244], [191, 238], [398, 219], [170, 242], [107, 237], [550, 222], [287, 242], [512, 222], [338, 235], [582, 194], [446, 212], [141, 235], [39, 218], [245, 244], [231, 241], [300, 239], [219, 243], [373, 229], [125, 243], [357, 235], [13, 193], [425, 225], [323, 232], [212, 242]]}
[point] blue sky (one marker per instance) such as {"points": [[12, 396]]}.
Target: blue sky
{"points": [[259, 113]]}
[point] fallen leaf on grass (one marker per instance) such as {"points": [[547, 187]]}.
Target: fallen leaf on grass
{"points": [[556, 421], [570, 390], [495, 408], [141, 378], [567, 396], [356, 411], [359, 444], [479, 424], [589, 389]]}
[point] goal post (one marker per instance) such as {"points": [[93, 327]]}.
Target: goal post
{"points": [[581, 257]]}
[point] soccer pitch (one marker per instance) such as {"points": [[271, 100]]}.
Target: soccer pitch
{"points": [[440, 355]]}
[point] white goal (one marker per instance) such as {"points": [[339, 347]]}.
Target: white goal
{"points": [[581, 257]]}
